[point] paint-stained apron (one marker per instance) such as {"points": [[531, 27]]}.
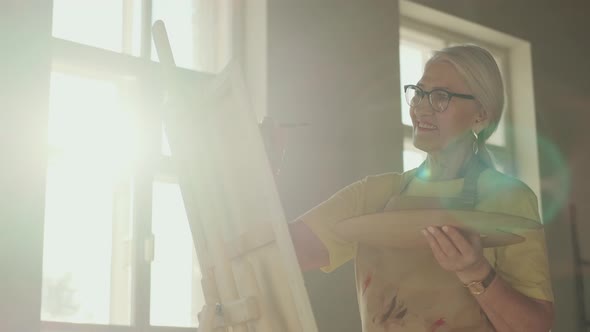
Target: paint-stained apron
{"points": [[407, 290]]}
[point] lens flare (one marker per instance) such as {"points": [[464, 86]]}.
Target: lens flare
{"points": [[555, 178]]}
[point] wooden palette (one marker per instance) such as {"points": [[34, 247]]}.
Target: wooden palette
{"points": [[402, 228]]}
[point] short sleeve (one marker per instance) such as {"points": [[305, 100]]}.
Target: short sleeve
{"points": [[362, 197], [524, 265]]}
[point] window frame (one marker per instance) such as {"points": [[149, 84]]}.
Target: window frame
{"points": [[88, 61], [91, 62]]}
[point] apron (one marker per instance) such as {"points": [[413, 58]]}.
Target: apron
{"points": [[407, 290]]}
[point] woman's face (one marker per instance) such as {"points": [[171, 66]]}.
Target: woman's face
{"points": [[440, 131]]}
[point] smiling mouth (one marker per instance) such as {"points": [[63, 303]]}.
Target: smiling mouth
{"points": [[428, 126]]}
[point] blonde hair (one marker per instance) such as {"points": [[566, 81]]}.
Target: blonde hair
{"points": [[480, 71]]}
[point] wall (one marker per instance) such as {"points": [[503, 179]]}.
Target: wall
{"points": [[24, 85], [333, 64]]}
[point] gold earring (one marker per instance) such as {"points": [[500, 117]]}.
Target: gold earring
{"points": [[475, 142]]}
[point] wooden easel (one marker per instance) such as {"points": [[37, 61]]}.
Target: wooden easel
{"points": [[251, 278]]}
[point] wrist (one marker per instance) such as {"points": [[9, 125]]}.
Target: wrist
{"points": [[477, 272], [479, 287]]}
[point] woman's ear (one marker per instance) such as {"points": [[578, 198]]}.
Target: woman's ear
{"points": [[481, 121]]}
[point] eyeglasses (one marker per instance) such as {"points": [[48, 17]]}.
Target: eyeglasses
{"points": [[439, 99]]}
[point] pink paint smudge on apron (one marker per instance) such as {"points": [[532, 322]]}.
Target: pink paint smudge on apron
{"points": [[440, 322], [367, 282]]}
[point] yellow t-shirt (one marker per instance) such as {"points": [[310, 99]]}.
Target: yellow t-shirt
{"points": [[524, 266]]}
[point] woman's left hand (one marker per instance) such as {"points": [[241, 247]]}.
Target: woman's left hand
{"points": [[457, 253]]}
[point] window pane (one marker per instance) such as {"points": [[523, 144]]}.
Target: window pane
{"points": [[165, 145], [411, 67], [412, 156], [86, 272], [178, 16], [415, 49], [88, 117], [96, 23], [132, 30], [199, 32], [176, 294], [79, 274], [499, 136]]}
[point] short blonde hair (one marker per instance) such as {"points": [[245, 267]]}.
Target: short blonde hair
{"points": [[480, 71]]}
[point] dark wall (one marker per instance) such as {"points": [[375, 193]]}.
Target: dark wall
{"points": [[334, 65], [24, 91]]}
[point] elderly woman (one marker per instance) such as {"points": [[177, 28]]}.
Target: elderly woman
{"points": [[456, 284]]}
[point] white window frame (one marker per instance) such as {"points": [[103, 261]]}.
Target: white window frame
{"points": [[88, 61], [516, 53]]}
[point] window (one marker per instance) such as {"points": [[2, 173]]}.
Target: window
{"points": [[107, 24], [176, 275], [418, 40], [118, 249], [86, 219]]}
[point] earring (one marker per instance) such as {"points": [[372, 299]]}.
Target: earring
{"points": [[475, 142]]}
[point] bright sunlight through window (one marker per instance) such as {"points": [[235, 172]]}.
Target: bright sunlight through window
{"points": [[111, 190], [90, 139]]}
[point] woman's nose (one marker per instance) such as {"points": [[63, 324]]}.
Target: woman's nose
{"points": [[423, 107]]}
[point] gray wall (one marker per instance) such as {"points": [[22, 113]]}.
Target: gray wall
{"points": [[334, 64], [24, 84]]}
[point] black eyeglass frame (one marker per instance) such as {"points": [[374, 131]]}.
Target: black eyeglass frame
{"points": [[428, 93]]}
